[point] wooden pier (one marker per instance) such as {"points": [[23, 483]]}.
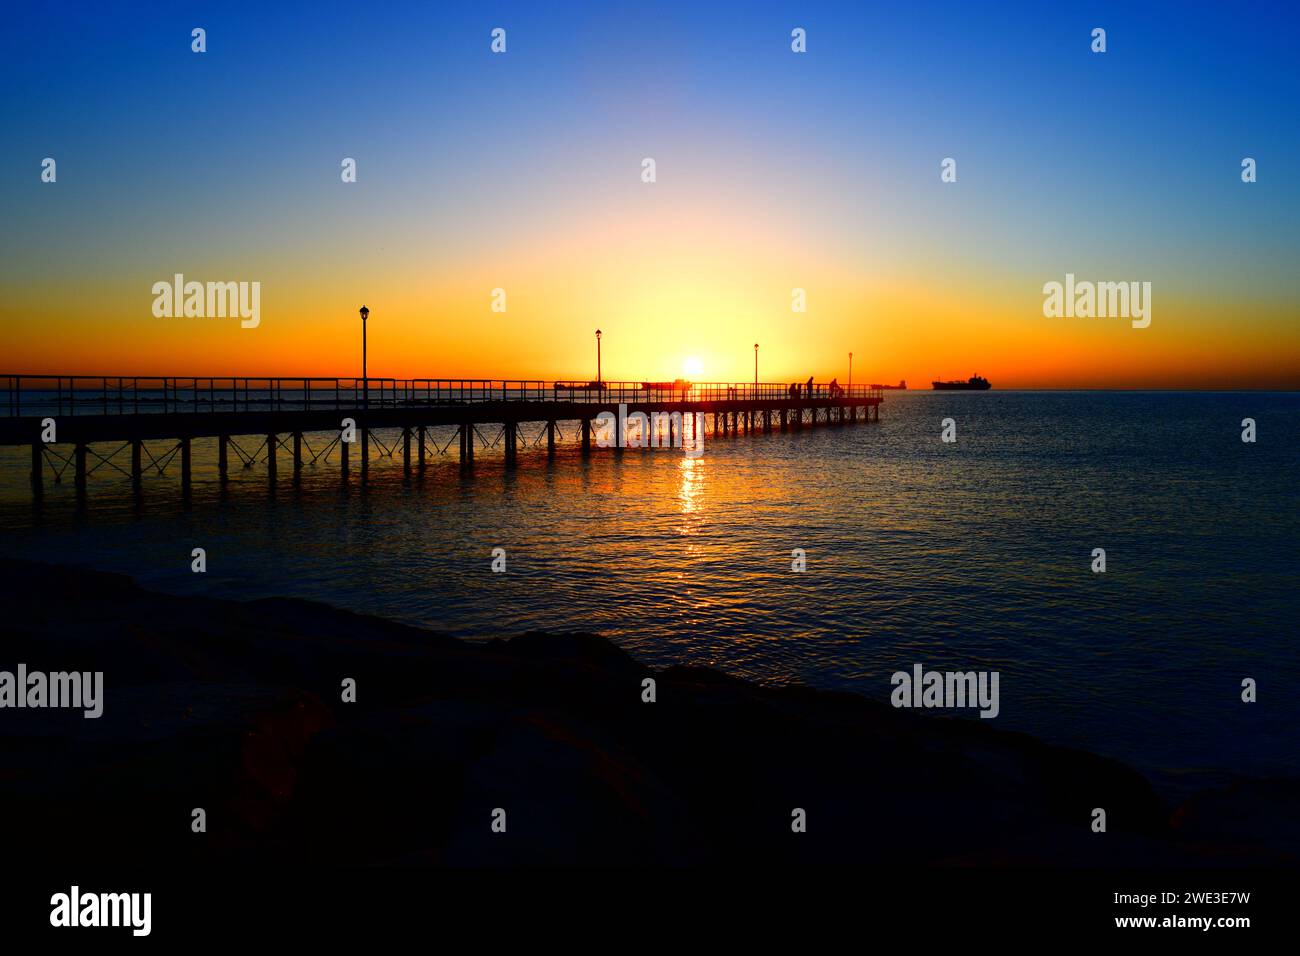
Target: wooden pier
{"points": [[62, 417]]}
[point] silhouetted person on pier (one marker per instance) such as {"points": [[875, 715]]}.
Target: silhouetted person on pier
{"points": [[810, 387], [835, 388]]}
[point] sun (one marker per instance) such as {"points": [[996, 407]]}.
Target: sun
{"points": [[692, 366]]}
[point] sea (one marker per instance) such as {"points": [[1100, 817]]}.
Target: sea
{"points": [[832, 556]]}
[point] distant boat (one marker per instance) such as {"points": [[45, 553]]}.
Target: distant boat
{"points": [[976, 383], [902, 383], [680, 385]]}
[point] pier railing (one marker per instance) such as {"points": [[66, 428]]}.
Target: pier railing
{"points": [[32, 395]]}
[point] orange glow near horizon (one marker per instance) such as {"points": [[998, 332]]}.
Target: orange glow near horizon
{"points": [[700, 324], [678, 292]]}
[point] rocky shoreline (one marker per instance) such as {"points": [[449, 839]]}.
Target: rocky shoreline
{"points": [[236, 708]]}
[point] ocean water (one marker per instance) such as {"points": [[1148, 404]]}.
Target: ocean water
{"points": [[967, 556]]}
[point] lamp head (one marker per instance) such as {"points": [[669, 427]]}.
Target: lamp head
{"points": [[365, 313]]}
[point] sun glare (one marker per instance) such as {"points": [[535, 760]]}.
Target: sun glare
{"points": [[693, 367]]}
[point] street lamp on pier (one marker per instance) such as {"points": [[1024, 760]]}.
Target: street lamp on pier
{"points": [[365, 379]]}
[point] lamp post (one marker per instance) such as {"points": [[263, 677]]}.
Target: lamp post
{"points": [[755, 369], [850, 370], [598, 357], [365, 380]]}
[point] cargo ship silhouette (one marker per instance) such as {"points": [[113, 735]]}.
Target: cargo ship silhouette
{"points": [[976, 383]]}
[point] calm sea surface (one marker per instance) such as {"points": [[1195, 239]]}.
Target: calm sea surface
{"points": [[973, 555]]}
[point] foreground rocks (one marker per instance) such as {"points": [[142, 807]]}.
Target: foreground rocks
{"points": [[236, 708]]}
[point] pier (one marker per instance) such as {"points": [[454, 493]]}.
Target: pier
{"points": [[83, 423]]}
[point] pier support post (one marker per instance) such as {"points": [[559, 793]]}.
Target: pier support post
{"points": [[38, 469], [461, 437], [223, 461], [511, 438], [185, 468], [297, 457], [419, 441], [137, 472], [270, 460], [365, 455], [586, 436], [79, 465], [469, 443], [406, 453], [550, 439]]}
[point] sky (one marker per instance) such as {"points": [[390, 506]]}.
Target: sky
{"points": [[775, 171]]}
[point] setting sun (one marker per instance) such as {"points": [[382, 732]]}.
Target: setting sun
{"points": [[692, 366]]}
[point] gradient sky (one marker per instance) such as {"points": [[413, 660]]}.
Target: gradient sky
{"points": [[775, 170]]}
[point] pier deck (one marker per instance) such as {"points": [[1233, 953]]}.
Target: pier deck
{"points": [[73, 412]]}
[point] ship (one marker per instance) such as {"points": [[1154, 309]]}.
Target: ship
{"points": [[902, 384], [976, 383]]}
